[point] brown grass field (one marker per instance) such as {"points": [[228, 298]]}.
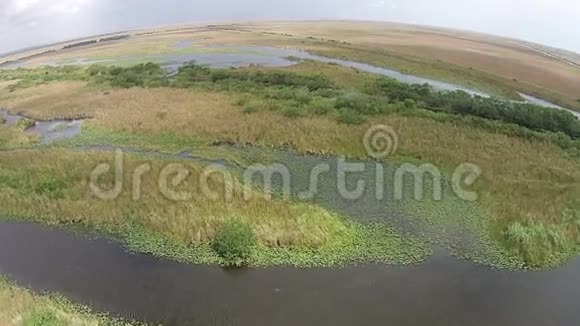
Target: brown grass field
{"points": [[492, 63]]}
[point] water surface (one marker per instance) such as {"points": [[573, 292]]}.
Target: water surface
{"points": [[440, 292], [9, 119], [49, 131]]}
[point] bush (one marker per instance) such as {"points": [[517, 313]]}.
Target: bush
{"points": [[527, 115], [303, 96], [141, 75], [322, 106], [189, 74], [234, 242], [362, 104], [350, 117]]}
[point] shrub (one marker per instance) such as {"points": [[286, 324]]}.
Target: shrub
{"points": [[141, 75], [234, 242], [362, 104], [351, 117], [322, 106], [527, 115], [280, 93], [193, 73], [302, 95]]}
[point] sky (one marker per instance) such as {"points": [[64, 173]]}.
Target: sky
{"points": [[25, 23]]}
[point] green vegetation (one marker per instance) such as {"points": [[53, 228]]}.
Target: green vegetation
{"points": [[355, 244], [526, 153], [52, 188], [234, 242], [37, 76], [19, 306], [467, 76], [524, 114], [14, 136], [542, 245], [298, 95], [414, 65], [25, 123], [141, 75], [43, 317], [441, 128]]}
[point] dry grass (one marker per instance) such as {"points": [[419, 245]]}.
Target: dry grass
{"points": [[54, 100], [501, 57], [493, 63]]}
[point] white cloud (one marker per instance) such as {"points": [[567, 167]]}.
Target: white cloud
{"points": [[30, 22], [378, 3], [30, 10]]}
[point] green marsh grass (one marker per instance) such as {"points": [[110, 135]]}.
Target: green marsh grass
{"points": [[53, 188]]}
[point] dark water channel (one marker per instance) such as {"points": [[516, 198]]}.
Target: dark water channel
{"points": [[439, 292]]}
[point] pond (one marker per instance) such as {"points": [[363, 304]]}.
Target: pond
{"points": [[48, 131]]}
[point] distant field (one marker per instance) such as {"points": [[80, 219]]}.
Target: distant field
{"points": [[498, 65]]}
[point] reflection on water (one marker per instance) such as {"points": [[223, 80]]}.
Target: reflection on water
{"points": [[54, 130], [440, 292]]}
